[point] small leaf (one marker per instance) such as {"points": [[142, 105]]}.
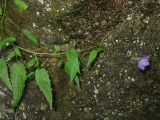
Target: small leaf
{"points": [[92, 56], [98, 49], [21, 4], [17, 52], [1, 11], [30, 37], [44, 83], [30, 74], [72, 64], [7, 40], [54, 9], [18, 77], [73, 43], [4, 74], [77, 81], [97, 72], [32, 62], [57, 48], [60, 63], [11, 55]]}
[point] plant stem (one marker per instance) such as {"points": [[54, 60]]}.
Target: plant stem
{"points": [[39, 54], [3, 18], [49, 54], [13, 23]]}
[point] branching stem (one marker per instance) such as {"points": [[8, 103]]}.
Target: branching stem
{"points": [[49, 54], [41, 54]]}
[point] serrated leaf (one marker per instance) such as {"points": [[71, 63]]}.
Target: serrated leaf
{"points": [[92, 56], [4, 74], [18, 77], [11, 55], [32, 62], [7, 40], [57, 48], [21, 4], [72, 64], [44, 83], [17, 52], [30, 37], [1, 11]]}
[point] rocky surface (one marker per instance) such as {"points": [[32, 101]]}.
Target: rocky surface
{"points": [[114, 88]]}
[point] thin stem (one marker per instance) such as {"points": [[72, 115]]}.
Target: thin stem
{"points": [[3, 18], [13, 23], [38, 53]]}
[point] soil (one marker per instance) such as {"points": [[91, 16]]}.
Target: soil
{"points": [[113, 88]]}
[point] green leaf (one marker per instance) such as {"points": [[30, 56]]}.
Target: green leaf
{"points": [[7, 40], [30, 74], [30, 37], [77, 81], [17, 52], [32, 62], [44, 83], [73, 43], [4, 74], [21, 4], [72, 64], [54, 9], [11, 55], [60, 63], [92, 56], [57, 48], [1, 11], [18, 77]]}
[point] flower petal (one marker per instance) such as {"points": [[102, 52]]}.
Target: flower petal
{"points": [[143, 62], [141, 67]]}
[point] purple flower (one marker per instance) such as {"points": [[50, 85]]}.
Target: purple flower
{"points": [[143, 62]]}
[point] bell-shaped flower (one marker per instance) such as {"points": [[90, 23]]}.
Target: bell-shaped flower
{"points": [[143, 62]]}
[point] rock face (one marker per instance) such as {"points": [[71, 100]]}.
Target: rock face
{"points": [[114, 88], [125, 92]]}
